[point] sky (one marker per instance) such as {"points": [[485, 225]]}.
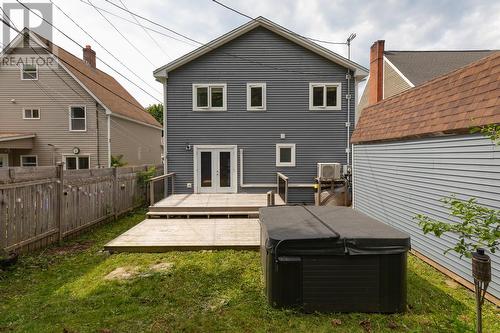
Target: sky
{"points": [[404, 25]]}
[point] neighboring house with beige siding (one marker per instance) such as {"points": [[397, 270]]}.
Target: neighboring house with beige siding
{"points": [[65, 109], [398, 71]]}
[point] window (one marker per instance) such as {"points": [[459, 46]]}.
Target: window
{"points": [[31, 113], [77, 162], [209, 97], [285, 155], [29, 72], [77, 118], [325, 96], [256, 96], [29, 160]]}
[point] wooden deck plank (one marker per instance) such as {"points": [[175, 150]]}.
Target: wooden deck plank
{"points": [[161, 235]]}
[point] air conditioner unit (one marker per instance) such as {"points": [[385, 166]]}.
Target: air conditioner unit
{"points": [[329, 171]]}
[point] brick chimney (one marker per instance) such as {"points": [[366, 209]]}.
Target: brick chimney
{"points": [[375, 82], [89, 56]]}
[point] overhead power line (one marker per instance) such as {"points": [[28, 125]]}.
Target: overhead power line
{"points": [[123, 36], [81, 46], [103, 47]]}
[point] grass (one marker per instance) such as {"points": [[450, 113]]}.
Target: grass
{"points": [[62, 289]]}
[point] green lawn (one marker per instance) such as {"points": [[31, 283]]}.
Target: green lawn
{"points": [[62, 289]]}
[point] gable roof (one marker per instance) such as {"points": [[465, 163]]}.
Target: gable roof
{"points": [[359, 70], [421, 66], [455, 102], [108, 92]]}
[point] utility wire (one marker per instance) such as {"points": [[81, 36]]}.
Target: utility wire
{"points": [[123, 36], [133, 22], [104, 48], [74, 41], [147, 32], [253, 19], [212, 48]]}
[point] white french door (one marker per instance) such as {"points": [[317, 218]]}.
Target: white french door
{"points": [[4, 160], [215, 169]]}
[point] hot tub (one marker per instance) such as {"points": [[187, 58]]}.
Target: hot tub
{"points": [[332, 259]]}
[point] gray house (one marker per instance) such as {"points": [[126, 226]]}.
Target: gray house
{"points": [[253, 102], [57, 107], [413, 149]]}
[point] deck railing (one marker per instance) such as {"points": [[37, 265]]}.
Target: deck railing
{"points": [[282, 186], [166, 187]]}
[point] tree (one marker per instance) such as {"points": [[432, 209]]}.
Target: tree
{"points": [[156, 110], [116, 161]]}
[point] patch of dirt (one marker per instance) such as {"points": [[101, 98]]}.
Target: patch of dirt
{"points": [[366, 325], [336, 322], [162, 267], [123, 273], [71, 248], [452, 284]]}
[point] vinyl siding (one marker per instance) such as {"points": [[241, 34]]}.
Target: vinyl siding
{"points": [[393, 82], [137, 143], [258, 56], [395, 181], [52, 93]]}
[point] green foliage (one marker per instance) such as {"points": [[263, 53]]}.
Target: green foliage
{"points": [[143, 177], [117, 161], [491, 131], [479, 226], [156, 110]]}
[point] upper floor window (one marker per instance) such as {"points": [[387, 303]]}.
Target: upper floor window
{"points": [[324, 96], [209, 97], [31, 113], [77, 118], [256, 96], [29, 72], [29, 160], [77, 162]]}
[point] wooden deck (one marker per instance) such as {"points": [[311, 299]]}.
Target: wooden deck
{"points": [[217, 205], [162, 235]]}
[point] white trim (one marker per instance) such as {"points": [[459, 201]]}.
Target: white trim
{"points": [[398, 71], [337, 107], [22, 72], [234, 165], [32, 118], [108, 125], [278, 155], [209, 106], [251, 85], [12, 138], [70, 118], [261, 21], [165, 123], [64, 156], [134, 121], [6, 160], [21, 160]]}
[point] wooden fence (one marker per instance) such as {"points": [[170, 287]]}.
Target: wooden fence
{"points": [[43, 205]]}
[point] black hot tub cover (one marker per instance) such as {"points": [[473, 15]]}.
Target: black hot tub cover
{"points": [[328, 230]]}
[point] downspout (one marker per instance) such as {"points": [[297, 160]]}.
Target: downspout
{"points": [[98, 133], [165, 146], [348, 122], [108, 120]]}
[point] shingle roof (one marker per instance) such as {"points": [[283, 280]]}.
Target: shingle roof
{"points": [[422, 66], [455, 102], [111, 93]]}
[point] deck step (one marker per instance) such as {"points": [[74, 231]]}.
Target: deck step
{"points": [[249, 214], [162, 209]]}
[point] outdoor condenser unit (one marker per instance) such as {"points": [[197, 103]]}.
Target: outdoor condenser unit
{"points": [[329, 171]]}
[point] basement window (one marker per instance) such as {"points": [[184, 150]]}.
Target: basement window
{"points": [[29, 160], [77, 162], [256, 96], [285, 155], [29, 72], [325, 96], [209, 97]]}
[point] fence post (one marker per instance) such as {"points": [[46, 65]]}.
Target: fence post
{"points": [[115, 193], [151, 185], [60, 199]]}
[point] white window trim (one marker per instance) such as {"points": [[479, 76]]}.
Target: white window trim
{"points": [[209, 86], [24, 113], [21, 160], [249, 97], [278, 157], [22, 71], [325, 84], [69, 116], [77, 161]]}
